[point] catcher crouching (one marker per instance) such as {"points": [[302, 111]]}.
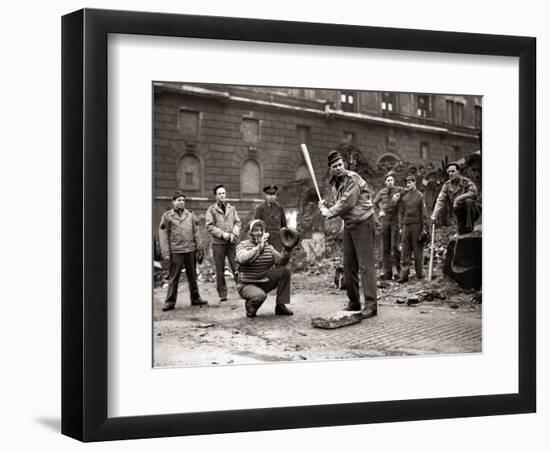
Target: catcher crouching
{"points": [[262, 268]]}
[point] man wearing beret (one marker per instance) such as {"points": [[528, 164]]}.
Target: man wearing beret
{"points": [[387, 208], [223, 223], [412, 223], [273, 215], [353, 204], [180, 243], [460, 194]]}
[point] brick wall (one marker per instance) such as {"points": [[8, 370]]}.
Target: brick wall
{"points": [[220, 149]]}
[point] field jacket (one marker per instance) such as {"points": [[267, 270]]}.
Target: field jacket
{"points": [[454, 192], [178, 233], [218, 223], [352, 199]]}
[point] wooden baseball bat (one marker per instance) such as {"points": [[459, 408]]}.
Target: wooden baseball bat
{"points": [[305, 152], [431, 266]]}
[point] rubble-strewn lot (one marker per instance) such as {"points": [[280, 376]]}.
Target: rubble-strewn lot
{"points": [[419, 318]]}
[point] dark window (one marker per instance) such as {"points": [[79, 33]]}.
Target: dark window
{"points": [[423, 106], [388, 102], [347, 100], [455, 112], [477, 116]]}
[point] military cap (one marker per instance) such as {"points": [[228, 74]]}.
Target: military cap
{"points": [[333, 156], [271, 189], [410, 178], [391, 173], [178, 194], [453, 163]]}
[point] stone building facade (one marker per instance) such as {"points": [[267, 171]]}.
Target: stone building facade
{"points": [[247, 137]]}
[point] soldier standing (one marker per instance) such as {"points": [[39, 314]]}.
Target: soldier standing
{"points": [[223, 223], [412, 222], [273, 215], [387, 207], [353, 203], [179, 243]]}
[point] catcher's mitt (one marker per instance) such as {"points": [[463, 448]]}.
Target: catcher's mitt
{"points": [[289, 238]]}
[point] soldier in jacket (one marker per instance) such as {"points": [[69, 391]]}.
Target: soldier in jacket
{"points": [[460, 193], [223, 223], [273, 215], [412, 223], [179, 243], [391, 256], [353, 204]]}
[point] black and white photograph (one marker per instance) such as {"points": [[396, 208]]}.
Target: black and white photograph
{"points": [[301, 224]]}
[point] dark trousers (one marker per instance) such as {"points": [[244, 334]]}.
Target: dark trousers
{"points": [[391, 256], [179, 261], [466, 212], [219, 253], [359, 262], [256, 293], [410, 245], [275, 239]]}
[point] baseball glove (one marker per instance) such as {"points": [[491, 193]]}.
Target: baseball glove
{"points": [[289, 238]]}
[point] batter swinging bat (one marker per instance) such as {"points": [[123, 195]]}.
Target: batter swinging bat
{"points": [[310, 168]]}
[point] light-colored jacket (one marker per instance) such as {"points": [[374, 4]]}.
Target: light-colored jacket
{"points": [[353, 200], [218, 223], [178, 233]]}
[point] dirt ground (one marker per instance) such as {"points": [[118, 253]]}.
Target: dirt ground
{"points": [[220, 333]]}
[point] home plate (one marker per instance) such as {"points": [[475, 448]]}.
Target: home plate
{"points": [[338, 320]]}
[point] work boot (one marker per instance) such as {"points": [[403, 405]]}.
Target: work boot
{"points": [[168, 306], [353, 306], [401, 280], [250, 309], [223, 299], [369, 312], [282, 310], [386, 277], [199, 302]]}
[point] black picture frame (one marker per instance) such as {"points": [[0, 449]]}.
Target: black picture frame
{"points": [[84, 224]]}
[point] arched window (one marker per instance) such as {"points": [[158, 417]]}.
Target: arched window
{"points": [[251, 178], [189, 173]]}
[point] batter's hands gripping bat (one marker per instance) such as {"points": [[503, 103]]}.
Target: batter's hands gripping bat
{"points": [[310, 168]]}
